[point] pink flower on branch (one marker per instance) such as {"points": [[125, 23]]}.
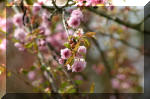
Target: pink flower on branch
{"points": [[18, 19], [65, 53], [79, 65], [20, 34], [74, 22], [77, 13], [82, 49]]}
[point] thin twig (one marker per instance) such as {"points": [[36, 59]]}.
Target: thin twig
{"points": [[64, 23]]}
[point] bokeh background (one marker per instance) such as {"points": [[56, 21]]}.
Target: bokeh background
{"points": [[124, 58]]}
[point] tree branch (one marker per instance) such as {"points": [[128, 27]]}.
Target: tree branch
{"points": [[117, 20]]}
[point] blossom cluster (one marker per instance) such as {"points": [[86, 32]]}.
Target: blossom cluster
{"points": [[73, 56], [75, 18], [89, 2], [24, 38]]}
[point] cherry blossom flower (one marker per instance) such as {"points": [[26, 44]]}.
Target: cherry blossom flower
{"points": [[115, 83], [78, 65], [19, 46], [20, 34], [125, 85], [3, 24], [18, 19], [44, 30], [42, 44], [65, 53], [36, 8], [3, 45], [61, 61], [82, 49], [121, 76], [31, 75], [77, 13], [74, 22], [68, 67]]}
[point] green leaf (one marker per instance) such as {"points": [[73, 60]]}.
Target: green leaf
{"points": [[78, 82], [64, 84], [24, 71], [72, 90], [43, 68], [29, 2], [33, 68], [67, 45], [29, 45]]}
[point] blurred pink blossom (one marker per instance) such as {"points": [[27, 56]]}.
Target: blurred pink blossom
{"points": [[78, 65], [31, 75], [19, 46], [82, 49], [115, 83], [20, 34], [3, 45], [74, 22], [77, 13], [18, 19], [36, 8], [65, 53], [3, 24]]}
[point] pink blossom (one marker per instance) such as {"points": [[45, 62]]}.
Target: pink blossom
{"points": [[82, 49], [65, 53], [42, 44], [20, 34], [61, 61], [115, 83], [79, 65], [3, 45], [45, 17], [97, 1], [18, 19], [31, 75], [77, 13], [44, 30], [36, 8], [73, 22], [3, 24], [125, 85], [19, 46], [57, 40], [68, 67], [121, 76]]}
